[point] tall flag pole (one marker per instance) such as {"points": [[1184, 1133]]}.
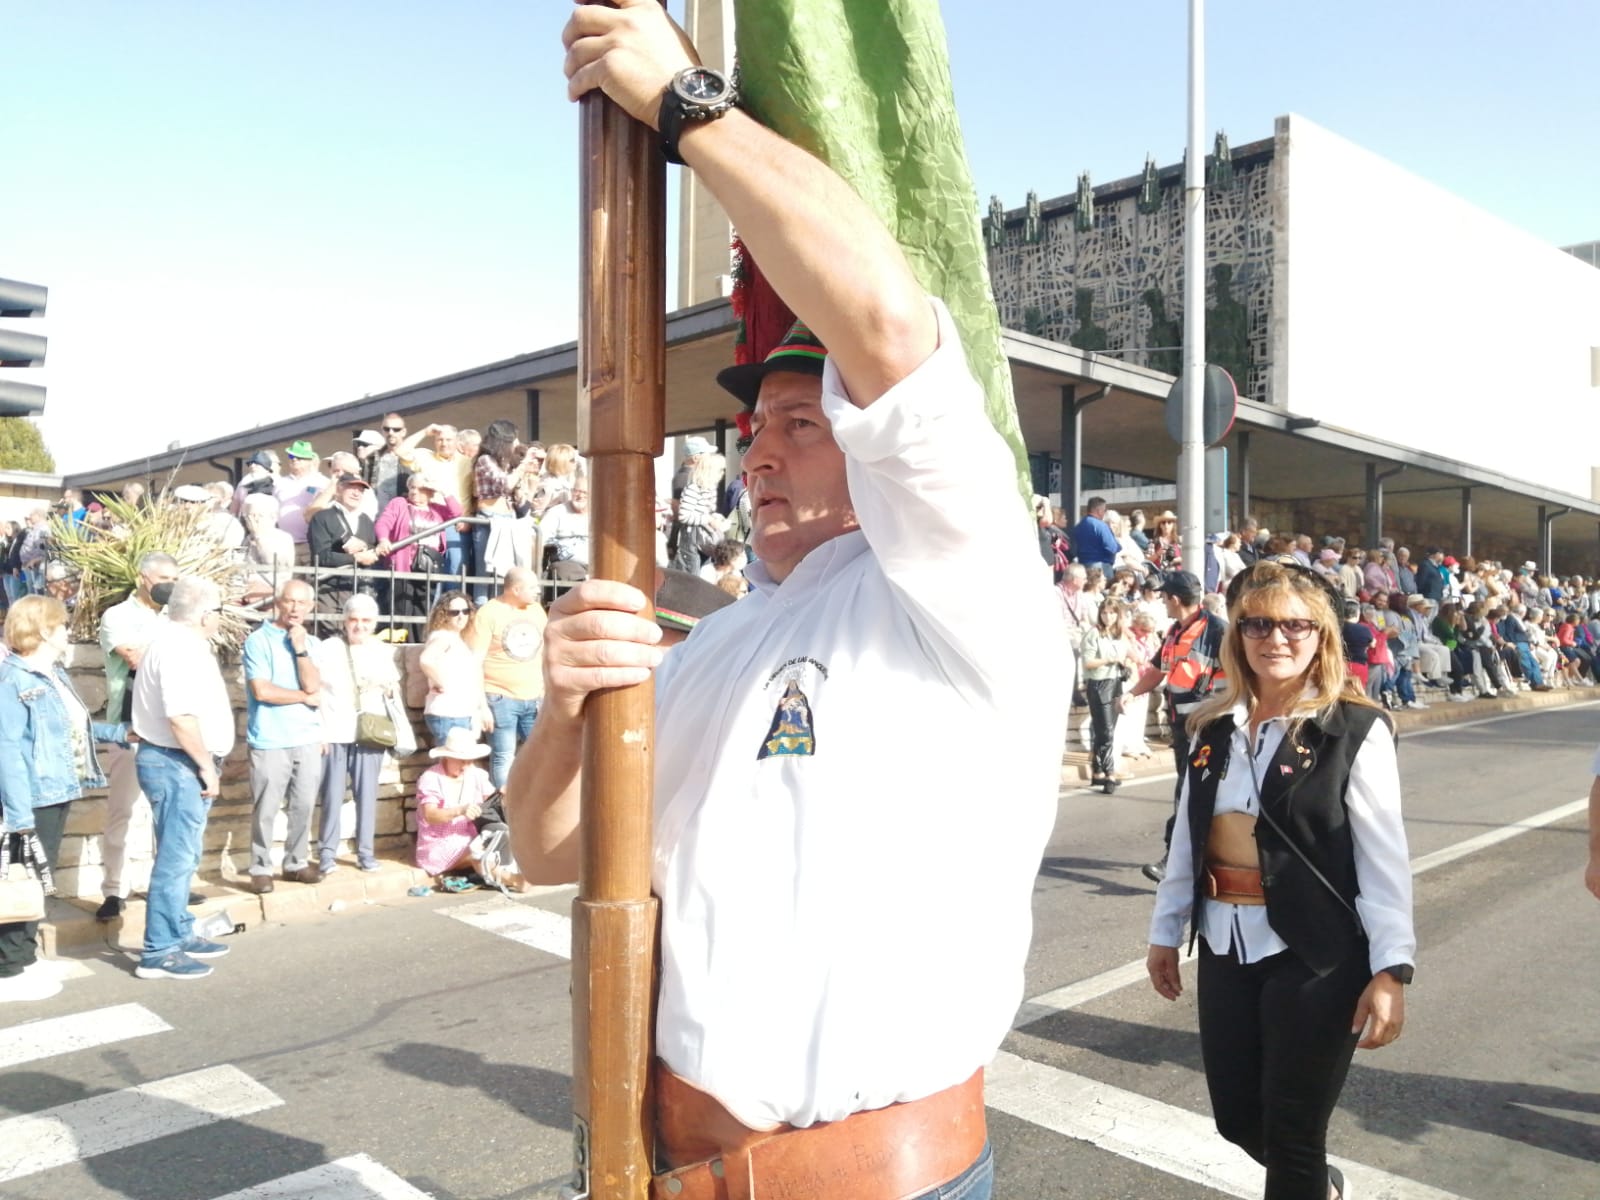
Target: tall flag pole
{"points": [[622, 392], [865, 86]]}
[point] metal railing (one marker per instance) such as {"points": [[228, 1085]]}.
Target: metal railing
{"points": [[338, 583]]}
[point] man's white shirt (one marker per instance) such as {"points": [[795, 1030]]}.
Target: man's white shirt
{"points": [[857, 774]]}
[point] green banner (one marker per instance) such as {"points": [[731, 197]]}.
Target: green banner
{"points": [[865, 86]]}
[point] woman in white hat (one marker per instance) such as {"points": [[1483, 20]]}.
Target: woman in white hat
{"points": [[450, 798]]}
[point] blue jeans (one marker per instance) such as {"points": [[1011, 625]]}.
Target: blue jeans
{"points": [[438, 727], [1403, 684], [975, 1183], [513, 722], [172, 784], [1530, 669]]}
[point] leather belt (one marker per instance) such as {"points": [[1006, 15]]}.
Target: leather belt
{"points": [[1234, 885], [892, 1153]]}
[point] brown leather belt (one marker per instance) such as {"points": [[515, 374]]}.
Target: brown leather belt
{"points": [[1234, 885], [891, 1153]]}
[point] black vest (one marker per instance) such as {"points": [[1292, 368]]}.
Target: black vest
{"points": [[1303, 792]]}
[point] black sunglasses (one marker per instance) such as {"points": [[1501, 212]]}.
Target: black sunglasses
{"points": [[1295, 629], [1289, 563], [394, 428]]}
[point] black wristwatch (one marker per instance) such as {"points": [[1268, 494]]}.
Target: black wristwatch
{"points": [[1402, 972], [695, 94]]}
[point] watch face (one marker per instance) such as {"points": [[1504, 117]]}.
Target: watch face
{"points": [[701, 85]]}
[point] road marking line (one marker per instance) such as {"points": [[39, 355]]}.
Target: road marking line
{"points": [[1155, 1134], [1495, 836], [1095, 986], [117, 1120], [1074, 994], [524, 923], [357, 1177], [34, 1040]]}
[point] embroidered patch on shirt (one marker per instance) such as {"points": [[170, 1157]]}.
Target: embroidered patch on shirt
{"points": [[792, 730]]}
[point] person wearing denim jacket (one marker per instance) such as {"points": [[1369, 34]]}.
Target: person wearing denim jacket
{"points": [[47, 759]]}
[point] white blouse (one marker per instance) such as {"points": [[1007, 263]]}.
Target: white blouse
{"points": [[1383, 863]]}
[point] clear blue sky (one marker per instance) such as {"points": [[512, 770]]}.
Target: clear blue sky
{"points": [[249, 209]]}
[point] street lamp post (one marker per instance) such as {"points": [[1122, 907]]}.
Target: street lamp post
{"points": [[1192, 452]]}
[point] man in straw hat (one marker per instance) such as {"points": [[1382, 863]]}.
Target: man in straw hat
{"points": [[856, 764]]}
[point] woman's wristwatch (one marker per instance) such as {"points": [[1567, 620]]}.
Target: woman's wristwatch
{"points": [[1401, 972]]}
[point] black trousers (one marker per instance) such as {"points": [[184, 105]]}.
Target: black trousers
{"points": [[1103, 695], [1180, 763], [1276, 1042], [18, 939]]}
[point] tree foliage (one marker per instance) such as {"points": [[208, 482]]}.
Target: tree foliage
{"points": [[22, 447]]}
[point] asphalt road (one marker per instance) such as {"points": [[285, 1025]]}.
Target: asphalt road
{"points": [[438, 1048]]}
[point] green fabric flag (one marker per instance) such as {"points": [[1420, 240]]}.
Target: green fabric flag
{"points": [[865, 86]]}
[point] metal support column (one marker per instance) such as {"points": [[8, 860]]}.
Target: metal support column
{"points": [[1547, 521], [1071, 455], [1466, 522], [1243, 443], [532, 431], [1375, 482]]}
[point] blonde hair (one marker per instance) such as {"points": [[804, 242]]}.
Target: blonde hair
{"points": [[29, 619], [707, 470], [1327, 681], [560, 458]]}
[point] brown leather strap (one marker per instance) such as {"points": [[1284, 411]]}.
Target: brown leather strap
{"points": [[891, 1153], [1234, 885]]}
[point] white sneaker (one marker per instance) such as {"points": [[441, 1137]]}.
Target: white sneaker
{"points": [[30, 985], [1416, 704], [1458, 698]]}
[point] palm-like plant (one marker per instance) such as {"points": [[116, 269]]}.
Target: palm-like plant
{"points": [[107, 560]]}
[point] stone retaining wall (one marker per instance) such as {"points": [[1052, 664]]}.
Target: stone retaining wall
{"points": [[227, 841]]}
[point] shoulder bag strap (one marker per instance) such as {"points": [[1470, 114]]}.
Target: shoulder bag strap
{"points": [[1310, 866]]}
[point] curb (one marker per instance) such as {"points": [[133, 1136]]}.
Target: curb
{"points": [[69, 924]]}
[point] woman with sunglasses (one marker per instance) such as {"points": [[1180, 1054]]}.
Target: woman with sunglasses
{"points": [[1289, 862], [455, 678]]}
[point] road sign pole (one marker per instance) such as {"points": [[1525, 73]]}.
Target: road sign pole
{"points": [[1191, 456]]}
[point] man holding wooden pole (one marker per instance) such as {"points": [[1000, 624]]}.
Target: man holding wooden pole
{"points": [[856, 766]]}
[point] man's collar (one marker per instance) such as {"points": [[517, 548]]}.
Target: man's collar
{"points": [[822, 562]]}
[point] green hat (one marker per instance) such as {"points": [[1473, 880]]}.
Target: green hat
{"points": [[301, 449], [799, 352]]}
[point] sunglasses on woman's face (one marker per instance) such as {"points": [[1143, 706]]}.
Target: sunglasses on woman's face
{"points": [[1294, 628], [458, 612]]}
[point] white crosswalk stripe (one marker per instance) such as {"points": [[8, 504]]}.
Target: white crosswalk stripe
{"points": [[1155, 1134], [518, 921], [355, 1178], [116, 1120], [35, 1040]]}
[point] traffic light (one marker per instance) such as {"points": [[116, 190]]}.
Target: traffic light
{"points": [[21, 349]]}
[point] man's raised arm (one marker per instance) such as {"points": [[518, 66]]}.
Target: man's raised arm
{"points": [[824, 251]]}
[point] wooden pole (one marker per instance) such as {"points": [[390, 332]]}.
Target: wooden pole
{"points": [[622, 391]]}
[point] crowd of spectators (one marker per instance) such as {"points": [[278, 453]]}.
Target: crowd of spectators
{"points": [[1418, 625]]}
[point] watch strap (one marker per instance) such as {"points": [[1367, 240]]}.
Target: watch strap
{"points": [[1401, 972], [669, 121]]}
